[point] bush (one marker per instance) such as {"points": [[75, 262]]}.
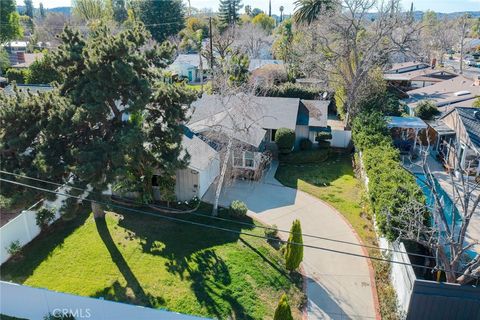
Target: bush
{"points": [[283, 311], [305, 144], [41, 71], [14, 248], [238, 209], [426, 110], [285, 139], [17, 75], [272, 232], [44, 217], [323, 136], [289, 90]]}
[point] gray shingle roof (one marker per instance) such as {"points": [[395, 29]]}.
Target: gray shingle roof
{"points": [[201, 154], [24, 88], [470, 118]]}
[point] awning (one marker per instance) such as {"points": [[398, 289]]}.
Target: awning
{"points": [[406, 123]]}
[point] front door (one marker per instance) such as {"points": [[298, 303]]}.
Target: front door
{"points": [[190, 75]]}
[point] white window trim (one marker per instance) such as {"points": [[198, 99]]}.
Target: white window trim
{"points": [[244, 166]]}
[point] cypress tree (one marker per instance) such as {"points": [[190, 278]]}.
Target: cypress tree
{"points": [[29, 8], [229, 11], [294, 252], [283, 311]]}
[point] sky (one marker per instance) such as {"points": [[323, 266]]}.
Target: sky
{"points": [[422, 5]]}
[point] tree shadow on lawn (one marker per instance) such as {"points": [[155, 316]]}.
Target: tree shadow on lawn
{"points": [[138, 295], [188, 250], [40, 248]]}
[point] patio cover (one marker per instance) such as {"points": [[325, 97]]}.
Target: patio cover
{"points": [[406, 123]]}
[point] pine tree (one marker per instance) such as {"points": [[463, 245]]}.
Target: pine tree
{"points": [[283, 311], [10, 28], [294, 251], [29, 8], [162, 18], [229, 12]]}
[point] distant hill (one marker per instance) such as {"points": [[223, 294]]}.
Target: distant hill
{"points": [[418, 15], [64, 10]]}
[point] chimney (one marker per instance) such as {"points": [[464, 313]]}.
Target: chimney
{"points": [[21, 57]]}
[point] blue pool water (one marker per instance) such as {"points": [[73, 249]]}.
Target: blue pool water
{"points": [[448, 204]]}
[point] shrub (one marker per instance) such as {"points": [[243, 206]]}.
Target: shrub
{"points": [[14, 248], [17, 75], [272, 232], [238, 209], [294, 250], [305, 144], [285, 139], [426, 110], [323, 136], [289, 90], [41, 71], [44, 217], [283, 311]]}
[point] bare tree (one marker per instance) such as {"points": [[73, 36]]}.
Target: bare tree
{"points": [[253, 40], [446, 232], [351, 42]]}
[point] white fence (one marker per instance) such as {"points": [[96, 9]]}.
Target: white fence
{"points": [[34, 303], [23, 228], [340, 138], [402, 277]]}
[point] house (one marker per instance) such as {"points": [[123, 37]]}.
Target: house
{"points": [[22, 60], [188, 66], [258, 63], [15, 46], [417, 78], [404, 67], [203, 168], [253, 122], [444, 94], [457, 138]]}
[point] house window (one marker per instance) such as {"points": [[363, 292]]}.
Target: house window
{"points": [[272, 135], [249, 159], [243, 159]]}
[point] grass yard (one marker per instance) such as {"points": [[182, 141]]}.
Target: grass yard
{"points": [[333, 180], [150, 261]]}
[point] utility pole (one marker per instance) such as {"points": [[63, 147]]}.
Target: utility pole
{"points": [[211, 45], [270, 8]]}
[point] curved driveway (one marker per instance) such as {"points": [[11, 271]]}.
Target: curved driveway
{"points": [[338, 286]]}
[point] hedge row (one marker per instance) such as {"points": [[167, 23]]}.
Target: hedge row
{"points": [[289, 90], [390, 185]]}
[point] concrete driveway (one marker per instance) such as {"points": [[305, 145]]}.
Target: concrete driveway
{"points": [[338, 286]]}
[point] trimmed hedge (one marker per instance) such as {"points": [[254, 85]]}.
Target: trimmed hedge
{"points": [[285, 140], [238, 209], [390, 185], [289, 90]]}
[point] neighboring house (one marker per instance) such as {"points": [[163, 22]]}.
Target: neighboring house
{"points": [[15, 46], [25, 88], [258, 63], [407, 67], [444, 94], [418, 78], [269, 74], [22, 60], [457, 136], [188, 66]]}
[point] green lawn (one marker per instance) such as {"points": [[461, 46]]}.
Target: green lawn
{"points": [[149, 261], [332, 180]]}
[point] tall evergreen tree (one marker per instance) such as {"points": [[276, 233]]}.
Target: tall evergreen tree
{"points": [[228, 12], [10, 28], [294, 252], [162, 18], [102, 124], [29, 8], [41, 9], [283, 311], [119, 10]]}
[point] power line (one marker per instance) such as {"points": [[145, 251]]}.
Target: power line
{"points": [[232, 231], [242, 223]]}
